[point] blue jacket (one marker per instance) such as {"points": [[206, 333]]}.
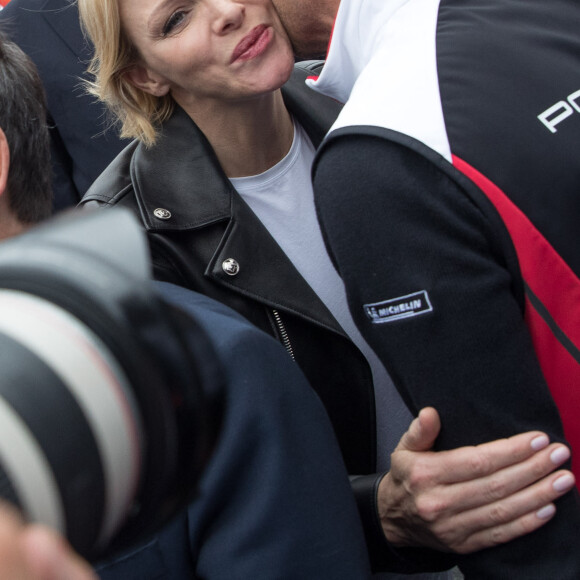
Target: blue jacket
{"points": [[275, 501]]}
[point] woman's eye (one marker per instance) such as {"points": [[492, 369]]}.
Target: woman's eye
{"points": [[174, 20]]}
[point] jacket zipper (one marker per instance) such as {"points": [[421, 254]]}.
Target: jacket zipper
{"points": [[283, 334]]}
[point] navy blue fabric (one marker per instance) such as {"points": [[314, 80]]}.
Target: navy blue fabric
{"points": [[275, 500]]}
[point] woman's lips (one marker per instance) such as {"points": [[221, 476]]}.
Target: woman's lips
{"points": [[253, 44]]}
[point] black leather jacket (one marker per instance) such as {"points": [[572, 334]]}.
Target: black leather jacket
{"points": [[196, 223]]}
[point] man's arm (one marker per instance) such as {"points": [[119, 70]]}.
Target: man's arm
{"points": [[398, 226]]}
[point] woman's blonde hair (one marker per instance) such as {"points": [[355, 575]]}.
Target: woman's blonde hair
{"points": [[139, 113]]}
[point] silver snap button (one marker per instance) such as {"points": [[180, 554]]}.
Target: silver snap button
{"points": [[162, 214], [230, 267]]}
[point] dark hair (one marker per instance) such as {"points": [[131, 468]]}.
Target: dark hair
{"points": [[23, 119]]}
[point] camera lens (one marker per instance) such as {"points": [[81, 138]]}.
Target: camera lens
{"points": [[107, 409], [71, 432]]}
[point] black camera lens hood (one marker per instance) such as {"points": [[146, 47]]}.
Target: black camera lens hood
{"points": [[94, 265]]}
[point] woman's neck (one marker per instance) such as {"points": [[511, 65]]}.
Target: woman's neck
{"points": [[249, 137]]}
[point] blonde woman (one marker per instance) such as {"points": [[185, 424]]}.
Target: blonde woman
{"points": [[219, 174]]}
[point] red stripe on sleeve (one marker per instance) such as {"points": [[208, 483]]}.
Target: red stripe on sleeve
{"points": [[558, 289], [549, 277]]}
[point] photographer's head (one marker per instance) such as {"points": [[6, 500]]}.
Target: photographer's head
{"points": [[25, 170]]}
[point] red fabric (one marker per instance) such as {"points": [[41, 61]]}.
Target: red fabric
{"points": [[558, 289]]}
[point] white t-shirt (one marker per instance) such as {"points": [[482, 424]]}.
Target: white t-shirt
{"points": [[283, 200]]}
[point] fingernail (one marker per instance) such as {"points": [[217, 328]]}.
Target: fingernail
{"points": [[563, 483], [540, 442], [546, 512], [560, 455]]}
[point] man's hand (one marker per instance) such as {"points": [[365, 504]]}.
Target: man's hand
{"points": [[469, 498], [33, 552]]}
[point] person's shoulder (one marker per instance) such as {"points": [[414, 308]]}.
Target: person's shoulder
{"points": [[115, 181], [308, 67], [314, 111], [16, 12], [194, 301], [228, 329]]}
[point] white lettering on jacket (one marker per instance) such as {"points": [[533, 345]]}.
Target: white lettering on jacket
{"points": [[555, 114], [398, 308]]}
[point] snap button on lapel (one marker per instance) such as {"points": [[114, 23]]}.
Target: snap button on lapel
{"points": [[230, 267], [162, 214]]}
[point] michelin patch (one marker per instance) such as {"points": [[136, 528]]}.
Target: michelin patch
{"points": [[397, 308]]}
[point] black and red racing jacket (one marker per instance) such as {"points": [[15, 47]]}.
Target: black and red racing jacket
{"points": [[448, 193]]}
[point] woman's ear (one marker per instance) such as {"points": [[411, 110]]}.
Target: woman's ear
{"points": [[4, 161], [140, 77]]}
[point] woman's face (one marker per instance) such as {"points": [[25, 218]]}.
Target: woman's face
{"points": [[208, 51]]}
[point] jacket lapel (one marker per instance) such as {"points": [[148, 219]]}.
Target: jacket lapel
{"points": [[194, 190], [266, 273], [191, 185]]}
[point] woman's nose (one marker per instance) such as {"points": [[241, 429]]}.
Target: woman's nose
{"points": [[229, 15]]}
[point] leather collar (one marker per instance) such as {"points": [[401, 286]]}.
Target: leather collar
{"points": [[192, 169], [181, 174]]}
